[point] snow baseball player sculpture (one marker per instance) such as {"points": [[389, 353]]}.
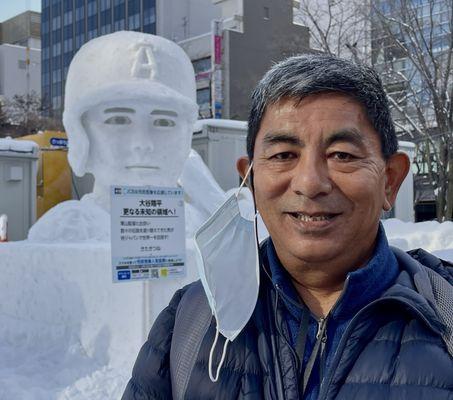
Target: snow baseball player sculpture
{"points": [[130, 105], [329, 310]]}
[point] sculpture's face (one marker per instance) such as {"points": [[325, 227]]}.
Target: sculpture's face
{"points": [[137, 142]]}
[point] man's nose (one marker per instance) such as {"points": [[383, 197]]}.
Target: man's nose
{"points": [[311, 177]]}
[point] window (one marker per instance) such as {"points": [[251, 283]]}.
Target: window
{"points": [[92, 34], [45, 26], [79, 40], [92, 8], [92, 23], [56, 75], [45, 40], [45, 78], [105, 22], [134, 22], [202, 65], [56, 23], [45, 14], [105, 17], [149, 17], [67, 18], [204, 101], [106, 29], [119, 15], [67, 5], [105, 5], [56, 88], [56, 62], [56, 102], [266, 13], [149, 12], [67, 45], [56, 9], [45, 91], [119, 25], [46, 67], [80, 13], [68, 31], [56, 49], [67, 58], [150, 28], [46, 53], [80, 27], [133, 7], [56, 36]]}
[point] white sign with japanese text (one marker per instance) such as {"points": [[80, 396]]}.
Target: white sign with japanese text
{"points": [[147, 233]]}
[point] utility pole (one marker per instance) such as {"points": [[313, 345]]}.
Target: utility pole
{"points": [[27, 69]]}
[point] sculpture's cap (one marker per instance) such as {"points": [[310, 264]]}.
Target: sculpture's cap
{"points": [[120, 66]]}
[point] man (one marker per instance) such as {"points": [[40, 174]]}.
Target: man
{"points": [[339, 313]]}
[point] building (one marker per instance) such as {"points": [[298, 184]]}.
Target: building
{"points": [[419, 80], [179, 20], [242, 44], [68, 24], [249, 35], [22, 30], [20, 71], [20, 55]]}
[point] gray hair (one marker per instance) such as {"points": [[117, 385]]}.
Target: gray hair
{"points": [[300, 76]]}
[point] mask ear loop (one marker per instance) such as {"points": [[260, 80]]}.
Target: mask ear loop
{"points": [[211, 352], [222, 359], [245, 179]]}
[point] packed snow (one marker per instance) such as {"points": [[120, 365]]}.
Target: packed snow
{"points": [[68, 332], [17, 146]]}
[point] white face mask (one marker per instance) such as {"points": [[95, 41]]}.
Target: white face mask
{"points": [[228, 265]]}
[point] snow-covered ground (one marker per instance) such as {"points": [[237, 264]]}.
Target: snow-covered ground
{"points": [[67, 332]]}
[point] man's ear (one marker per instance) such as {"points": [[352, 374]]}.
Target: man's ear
{"points": [[242, 165], [397, 167]]}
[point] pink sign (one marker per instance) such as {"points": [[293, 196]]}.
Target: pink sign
{"points": [[218, 50]]}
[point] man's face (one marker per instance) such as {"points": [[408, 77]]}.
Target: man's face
{"points": [[320, 180], [137, 142]]}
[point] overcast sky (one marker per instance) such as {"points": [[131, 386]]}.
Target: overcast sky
{"points": [[10, 8]]}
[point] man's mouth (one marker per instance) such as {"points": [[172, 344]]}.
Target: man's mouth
{"points": [[305, 217]]}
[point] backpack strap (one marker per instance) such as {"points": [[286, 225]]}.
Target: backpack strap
{"points": [[192, 320], [438, 290], [443, 296]]}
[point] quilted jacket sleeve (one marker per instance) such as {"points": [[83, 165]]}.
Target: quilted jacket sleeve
{"points": [[151, 373]]}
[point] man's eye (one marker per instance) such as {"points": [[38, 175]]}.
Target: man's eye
{"points": [[284, 156], [164, 123], [342, 156], [118, 120]]}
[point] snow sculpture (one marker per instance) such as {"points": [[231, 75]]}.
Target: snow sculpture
{"points": [[130, 104]]}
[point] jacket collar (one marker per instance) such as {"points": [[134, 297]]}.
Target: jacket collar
{"points": [[363, 285]]}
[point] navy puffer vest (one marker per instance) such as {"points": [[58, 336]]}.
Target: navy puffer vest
{"points": [[393, 349]]}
